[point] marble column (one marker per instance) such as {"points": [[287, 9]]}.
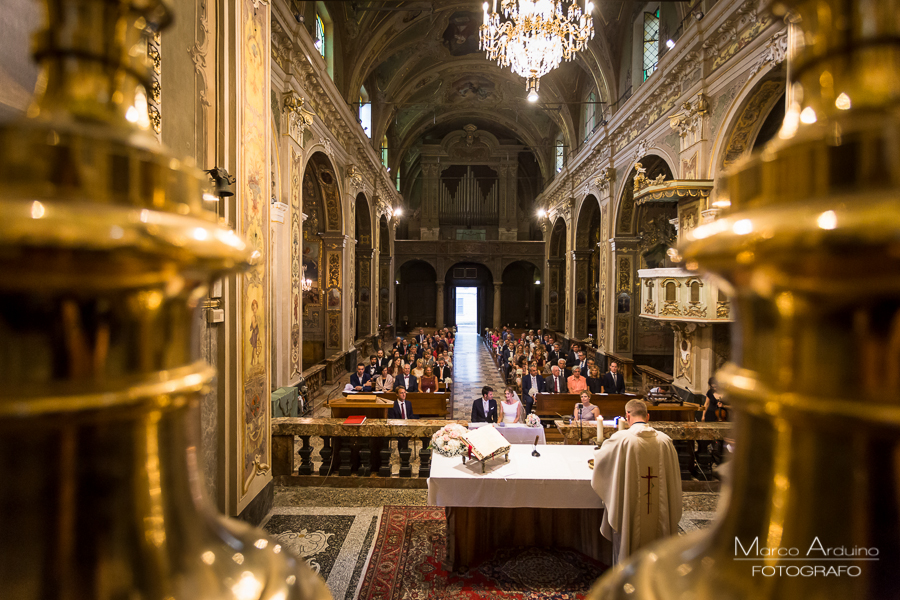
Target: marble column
{"points": [[497, 305], [439, 310]]}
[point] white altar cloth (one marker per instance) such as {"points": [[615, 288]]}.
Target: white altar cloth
{"points": [[517, 433], [559, 478]]}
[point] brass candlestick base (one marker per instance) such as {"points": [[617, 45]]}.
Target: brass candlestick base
{"points": [[811, 256], [105, 252]]}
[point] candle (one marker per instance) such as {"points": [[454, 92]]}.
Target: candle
{"points": [[599, 430]]}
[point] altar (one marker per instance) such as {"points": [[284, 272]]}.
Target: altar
{"points": [[516, 433], [528, 501]]}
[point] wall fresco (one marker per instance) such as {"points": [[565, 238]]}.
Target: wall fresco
{"points": [[296, 258], [253, 178]]}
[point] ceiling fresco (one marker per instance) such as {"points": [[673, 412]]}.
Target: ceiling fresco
{"points": [[420, 60]]}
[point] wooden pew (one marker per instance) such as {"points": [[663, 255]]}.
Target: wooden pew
{"points": [[611, 405], [435, 404]]}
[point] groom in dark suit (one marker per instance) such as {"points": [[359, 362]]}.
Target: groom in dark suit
{"points": [[484, 410], [613, 382]]}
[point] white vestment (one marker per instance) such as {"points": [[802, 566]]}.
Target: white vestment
{"points": [[637, 476]]}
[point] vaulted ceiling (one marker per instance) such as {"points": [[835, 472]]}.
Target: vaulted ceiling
{"points": [[420, 63]]}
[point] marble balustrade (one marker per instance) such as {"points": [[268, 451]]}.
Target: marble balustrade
{"points": [[347, 450], [683, 434]]}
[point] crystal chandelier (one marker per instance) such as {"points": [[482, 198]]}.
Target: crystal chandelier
{"points": [[536, 37]]}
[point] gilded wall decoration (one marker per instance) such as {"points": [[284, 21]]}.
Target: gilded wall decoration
{"points": [[334, 329], [723, 309], [623, 339], [748, 35], [332, 201], [623, 277], [254, 206], [334, 271], [685, 355], [741, 139], [154, 92], [296, 264], [694, 310], [689, 168]]}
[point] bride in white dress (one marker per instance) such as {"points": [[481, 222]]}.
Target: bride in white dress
{"points": [[511, 409]]}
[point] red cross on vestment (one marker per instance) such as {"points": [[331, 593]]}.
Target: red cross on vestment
{"points": [[648, 477]]}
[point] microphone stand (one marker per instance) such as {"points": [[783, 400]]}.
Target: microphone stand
{"points": [[578, 407]]}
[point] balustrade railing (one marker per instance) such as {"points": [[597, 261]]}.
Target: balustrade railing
{"points": [[367, 450]]}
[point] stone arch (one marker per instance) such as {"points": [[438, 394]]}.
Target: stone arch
{"points": [[416, 295], [385, 279], [323, 259], [556, 276], [758, 100], [520, 297], [655, 164], [643, 227], [586, 269], [478, 275], [321, 175], [364, 255]]}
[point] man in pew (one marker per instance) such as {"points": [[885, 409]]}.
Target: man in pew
{"points": [[361, 381], [420, 339], [383, 361], [564, 370], [402, 408], [407, 380], [613, 382], [531, 385], [374, 367], [556, 383], [442, 371], [484, 410], [572, 358], [582, 362], [554, 355]]}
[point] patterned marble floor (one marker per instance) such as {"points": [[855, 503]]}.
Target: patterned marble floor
{"points": [[473, 368]]}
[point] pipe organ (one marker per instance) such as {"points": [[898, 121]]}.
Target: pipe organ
{"points": [[469, 205]]}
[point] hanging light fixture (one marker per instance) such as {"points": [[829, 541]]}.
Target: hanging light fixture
{"points": [[535, 37]]}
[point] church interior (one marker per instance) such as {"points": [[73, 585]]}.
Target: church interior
{"points": [[220, 219]]}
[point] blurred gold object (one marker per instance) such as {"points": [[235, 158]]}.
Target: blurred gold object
{"points": [[812, 252], [105, 252]]}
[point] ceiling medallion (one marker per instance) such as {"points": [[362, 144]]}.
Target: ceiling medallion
{"points": [[535, 37]]}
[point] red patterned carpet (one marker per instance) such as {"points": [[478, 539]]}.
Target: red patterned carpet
{"points": [[408, 562]]}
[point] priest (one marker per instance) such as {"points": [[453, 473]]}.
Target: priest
{"points": [[637, 476]]}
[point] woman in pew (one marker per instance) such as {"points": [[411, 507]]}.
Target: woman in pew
{"points": [[396, 366], [511, 409], [419, 369], [595, 380], [589, 412], [385, 381], [428, 382]]}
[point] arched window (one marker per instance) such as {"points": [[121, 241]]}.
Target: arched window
{"points": [[695, 291], [365, 111], [560, 153], [384, 151], [670, 291], [589, 114], [651, 43], [320, 35]]}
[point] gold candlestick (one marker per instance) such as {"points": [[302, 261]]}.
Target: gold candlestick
{"points": [[810, 257], [105, 253]]}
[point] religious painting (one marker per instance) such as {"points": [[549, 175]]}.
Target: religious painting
{"points": [[334, 298], [623, 303], [364, 295], [461, 36]]}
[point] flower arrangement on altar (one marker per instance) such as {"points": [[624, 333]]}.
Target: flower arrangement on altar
{"points": [[448, 440], [533, 420]]}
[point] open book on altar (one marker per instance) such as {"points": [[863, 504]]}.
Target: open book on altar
{"points": [[486, 442]]}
